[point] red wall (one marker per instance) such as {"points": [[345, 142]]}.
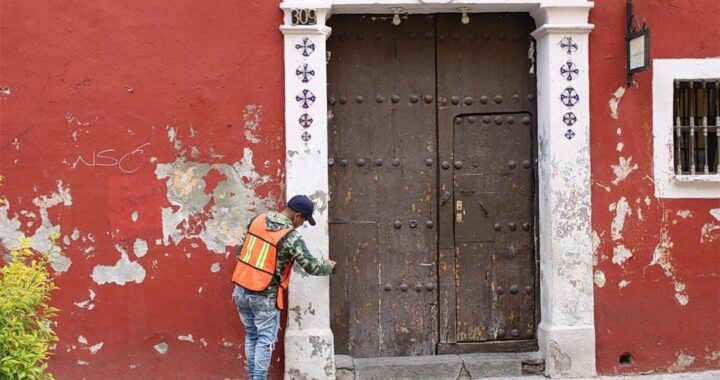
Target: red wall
{"points": [[646, 317], [119, 75], [86, 77]]}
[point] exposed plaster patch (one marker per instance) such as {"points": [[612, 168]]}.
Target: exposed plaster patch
{"points": [[662, 257], [122, 272], [82, 362], [623, 169], [684, 213], [82, 340], [562, 361], [619, 131], [226, 343], [623, 284], [215, 267], [203, 341], [707, 232], [134, 216], [681, 363], [713, 356], [599, 278], [186, 338], [140, 247], [5, 90], [319, 345], [12, 236], [319, 198], [172, 137], [622, 209], [217, 219], [251, 118], [715, 213], [95, 348], [296, 374], [662, 253], [647, 200], [88, 302], [681, 298], [615, 102], [161, 348], [621, 254], [595, 242], [619, 147]]}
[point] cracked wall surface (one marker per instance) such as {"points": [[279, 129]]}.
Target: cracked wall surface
{"points": [[657, 260], [146, 137]]}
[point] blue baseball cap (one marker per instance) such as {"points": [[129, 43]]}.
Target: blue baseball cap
{"points": [[303, 205]]}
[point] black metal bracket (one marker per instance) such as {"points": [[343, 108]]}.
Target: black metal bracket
{"points": [[633, 30]]}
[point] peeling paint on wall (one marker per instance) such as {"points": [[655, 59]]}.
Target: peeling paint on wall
{"points": [[217, 218], [621, 254], [681, 363], [161, 348], [87, 304], [140, 247], [623, 169], [662, 256], [711, 231], [122, 272], [614, 102], [622, 209], [251, 118], [599, 278], [684, 213], [11, 231]]}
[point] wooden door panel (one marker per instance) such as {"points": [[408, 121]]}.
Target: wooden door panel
{"points": [[383, 149], [486, 110]]}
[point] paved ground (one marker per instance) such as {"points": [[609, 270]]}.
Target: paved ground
{"points": [[710, 375]]}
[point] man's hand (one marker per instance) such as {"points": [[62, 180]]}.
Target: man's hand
{"points": [[331, 263]]}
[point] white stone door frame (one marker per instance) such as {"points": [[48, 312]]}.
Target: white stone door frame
{"points": [[566, 333]]}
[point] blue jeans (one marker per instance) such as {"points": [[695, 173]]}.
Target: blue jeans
{"points": [[262, 320]]}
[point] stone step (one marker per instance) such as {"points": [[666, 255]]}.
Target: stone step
{"points": [[439, 367]]}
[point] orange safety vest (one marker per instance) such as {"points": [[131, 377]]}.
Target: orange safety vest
{"points": [[256, 264]]}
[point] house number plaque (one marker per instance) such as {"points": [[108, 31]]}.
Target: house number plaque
{"points": [[303, 16]]}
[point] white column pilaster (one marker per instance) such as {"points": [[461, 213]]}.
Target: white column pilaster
{"points": [[309, 348], [567, 330]]}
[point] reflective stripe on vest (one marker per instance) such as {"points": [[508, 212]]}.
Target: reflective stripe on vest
{"points": [[257, 262]]}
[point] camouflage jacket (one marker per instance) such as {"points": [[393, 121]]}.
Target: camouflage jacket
{"points": [[291, 247]]}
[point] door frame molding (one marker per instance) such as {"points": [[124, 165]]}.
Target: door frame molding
{"points": [[566, 333]]}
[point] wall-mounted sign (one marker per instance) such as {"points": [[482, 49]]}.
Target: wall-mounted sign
{"points": [[301, 16], [638, 45], [639, 52]]}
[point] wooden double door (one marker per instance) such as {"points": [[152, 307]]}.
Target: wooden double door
{"points": [[432, 180]]}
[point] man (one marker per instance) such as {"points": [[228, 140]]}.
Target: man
{"points": [[262, 274]]}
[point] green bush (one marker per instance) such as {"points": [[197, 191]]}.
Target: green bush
{"points": [[25, 316]]}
